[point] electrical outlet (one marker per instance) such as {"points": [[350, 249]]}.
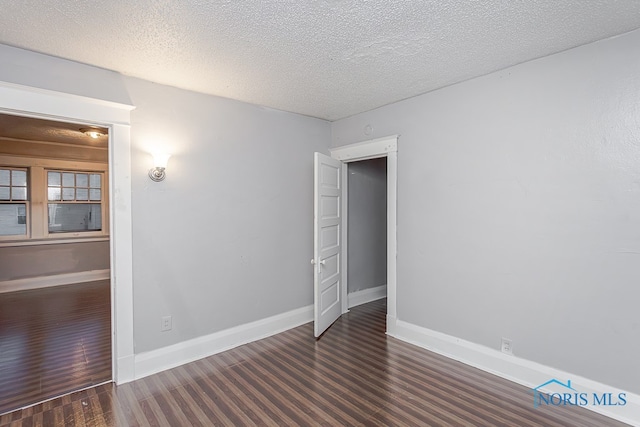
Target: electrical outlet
{"points": [[165, 324], [507, 346]]}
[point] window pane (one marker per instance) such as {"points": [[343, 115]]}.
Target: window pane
{"points": [[94, 180], [4, 193], [5, 175], [95, 194], [82, 194], [68, 193], [19, 193], [69, 217], [54, 178], [54, 193], [13, 219], [19, 178], [67, 179], [82, 180]]}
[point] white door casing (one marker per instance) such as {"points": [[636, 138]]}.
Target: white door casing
{"points": [[371, 149], [327, 236], [47, 104]]}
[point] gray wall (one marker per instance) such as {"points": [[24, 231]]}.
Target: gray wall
{"points": [[518, 202], [20, 262], [367, 224], [227, 237]]}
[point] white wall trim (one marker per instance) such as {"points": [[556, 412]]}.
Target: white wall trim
{"points": [[512, 368], [372, 149], [344, 269], [366, 150], [364, 296], [43, 103], [53, 280], [155, 361], [116, 112]]}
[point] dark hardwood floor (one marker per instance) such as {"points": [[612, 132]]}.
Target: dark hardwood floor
{"points": [[53, 341], [354, 375]]}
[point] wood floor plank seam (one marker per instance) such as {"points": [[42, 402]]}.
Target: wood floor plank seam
{"points": [[344, 351], [352, 392], [267, 394], [345, 412], [442, 389], [305, 402], [249, 396], [344, 370]]}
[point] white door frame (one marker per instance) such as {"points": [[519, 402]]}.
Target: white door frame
{"points": [[41, 103], [372, 149]]}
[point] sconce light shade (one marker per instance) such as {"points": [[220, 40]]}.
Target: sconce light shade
{"points": [[157, 172]]}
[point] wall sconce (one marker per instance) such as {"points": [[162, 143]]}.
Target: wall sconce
{"points": [[157, 172]]}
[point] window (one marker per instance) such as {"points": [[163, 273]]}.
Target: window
{"points": [[74, 201], [13, 202], [46, 199]]}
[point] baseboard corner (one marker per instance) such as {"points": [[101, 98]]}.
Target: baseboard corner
{"points": [[366, 295], [521, 371]]}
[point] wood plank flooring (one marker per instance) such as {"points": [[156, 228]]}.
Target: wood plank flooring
{"points": [[354, 375], [53, 341]]}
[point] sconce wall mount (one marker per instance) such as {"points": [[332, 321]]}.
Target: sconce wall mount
{"points": [[158, 172]]}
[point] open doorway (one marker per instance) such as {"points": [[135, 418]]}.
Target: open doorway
{"points": [[55, 291], [367, 231], [330, 257], [116, 117]]}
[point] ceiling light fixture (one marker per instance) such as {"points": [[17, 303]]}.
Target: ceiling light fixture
{"points": [[93, 132]]}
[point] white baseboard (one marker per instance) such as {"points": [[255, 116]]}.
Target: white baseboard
{"points": [[521, 371], [124, 369], [155, 361], [366, 295], [53, 280]]}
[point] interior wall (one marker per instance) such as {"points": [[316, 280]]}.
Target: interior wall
{"points": [[518, 201], [21, 262], [227, 237], [367, 224]]}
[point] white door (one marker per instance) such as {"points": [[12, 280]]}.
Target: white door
{"points": [[327, 238]]}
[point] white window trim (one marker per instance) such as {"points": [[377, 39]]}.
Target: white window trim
{"points": [[37, 205], [28, 214]]}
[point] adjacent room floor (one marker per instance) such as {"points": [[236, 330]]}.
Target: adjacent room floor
{"points": [[355, 375], [53, 341]]}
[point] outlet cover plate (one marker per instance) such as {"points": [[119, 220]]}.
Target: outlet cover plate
{"points": [[165, 324], [507, 346]]}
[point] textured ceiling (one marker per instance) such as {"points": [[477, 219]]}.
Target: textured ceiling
{"points": [[325, 58], [32, 129]]}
